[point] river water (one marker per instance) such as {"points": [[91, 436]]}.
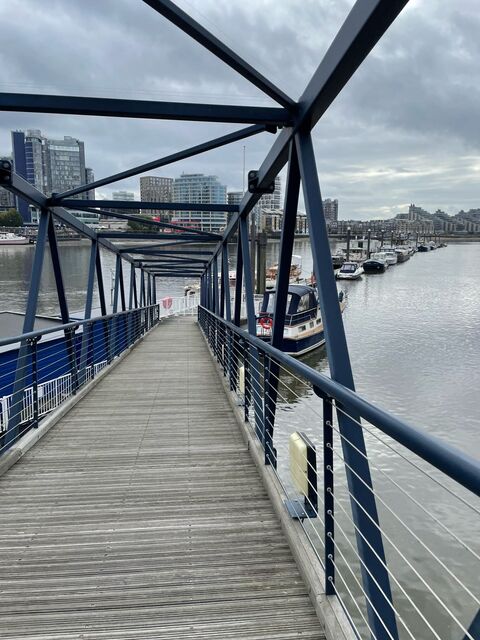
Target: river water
{"points": [[414, 340]]}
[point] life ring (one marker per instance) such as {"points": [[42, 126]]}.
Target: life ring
{"points": [[266, 322], [167, 302]]}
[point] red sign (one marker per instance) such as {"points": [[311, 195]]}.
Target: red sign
{"points": [[167, 302]]}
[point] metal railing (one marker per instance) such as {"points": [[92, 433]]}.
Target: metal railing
{"points": [[46, 367], [186, 305], [426, 493]]}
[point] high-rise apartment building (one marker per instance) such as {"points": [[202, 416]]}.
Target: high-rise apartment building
{"points": [[197, 188], [330, 210], [272, 201], [234, 197], [156, 189], [65, 161], [52, 166], [416, 213]]}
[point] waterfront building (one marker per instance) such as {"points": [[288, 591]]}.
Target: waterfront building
{"points": [[416, 213], [89, 177], [197, 188], [235, 198], [52, 166], [156, 189], [87, 217], [330, 210], [124, 196]]}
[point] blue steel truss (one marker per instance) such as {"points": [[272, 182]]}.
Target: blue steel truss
{"points": [[169, 254]]}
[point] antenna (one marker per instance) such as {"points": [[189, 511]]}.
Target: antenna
{"points": [[243, 176]]}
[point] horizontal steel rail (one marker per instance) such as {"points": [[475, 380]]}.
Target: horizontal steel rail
{"points": [[70, 325], [446, 458]]}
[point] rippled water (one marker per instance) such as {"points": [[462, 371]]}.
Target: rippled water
{"points": [[414, 340]]}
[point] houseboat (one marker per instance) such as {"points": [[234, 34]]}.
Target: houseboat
{"points": [[303, 330]]}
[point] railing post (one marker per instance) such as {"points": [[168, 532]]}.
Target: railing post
{"points": [[32, 343], [72, 357], [246, 366], [329, 516]]}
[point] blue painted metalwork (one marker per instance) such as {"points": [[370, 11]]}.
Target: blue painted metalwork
{"points": [[376, 580], [120, 108], [28, 324]]}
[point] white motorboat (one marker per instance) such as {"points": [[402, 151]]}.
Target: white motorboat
{"points": [[391, 255], [12, 238], [350, 271], [403, 254]]}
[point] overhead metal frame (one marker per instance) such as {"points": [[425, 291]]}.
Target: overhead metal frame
{"points": [[364, 26]]}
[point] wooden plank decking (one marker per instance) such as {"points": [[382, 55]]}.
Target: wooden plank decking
{"points": [[141, 515]]}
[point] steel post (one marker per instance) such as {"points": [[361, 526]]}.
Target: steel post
{"points": [[28, 325], [376, 581]]}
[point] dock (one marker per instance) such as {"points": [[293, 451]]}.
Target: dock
{"points": [[141, 514]]}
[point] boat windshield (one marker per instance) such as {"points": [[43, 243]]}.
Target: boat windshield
{"points": [[349, 267], [271, 302]]}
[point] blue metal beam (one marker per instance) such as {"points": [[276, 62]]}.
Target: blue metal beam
{"points": [[145, 235], [159, 246], [364, 511], [28, 325], [272, 375], [87, 336], [170, 159], [148, 222], [121, 108], [226, 283], [189, 26], [101, 205]]}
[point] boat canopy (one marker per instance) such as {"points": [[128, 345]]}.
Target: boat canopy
{"points": [[301, 298]]}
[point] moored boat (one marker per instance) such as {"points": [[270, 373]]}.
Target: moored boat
{"points": [[422, 248], [303, 330], [349, 271], [12, 238], [403, 254], [390, 255], [377, 263], [295, 272]]}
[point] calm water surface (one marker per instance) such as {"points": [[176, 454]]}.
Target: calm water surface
{"points": [[414, 339]]}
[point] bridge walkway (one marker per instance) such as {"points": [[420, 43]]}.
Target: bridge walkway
{"points": [[142, 515]]}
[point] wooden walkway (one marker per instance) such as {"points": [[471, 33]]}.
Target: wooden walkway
{"points": [[141, 515]]}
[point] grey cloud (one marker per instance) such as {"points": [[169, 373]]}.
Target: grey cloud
{"points": [[403, 130]]}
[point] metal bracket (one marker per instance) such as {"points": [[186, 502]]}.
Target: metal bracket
{"points": [[299, 510], [253, 184], [5, 172]]}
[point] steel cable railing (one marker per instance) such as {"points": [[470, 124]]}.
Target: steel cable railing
{"points": [[102, 358], [47, 374], [244, 359]]}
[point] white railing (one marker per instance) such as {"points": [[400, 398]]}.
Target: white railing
{"points": [[51, 394], [179, 306]]}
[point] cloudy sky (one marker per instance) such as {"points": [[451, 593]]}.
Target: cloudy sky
{"points": [[404, 130]]}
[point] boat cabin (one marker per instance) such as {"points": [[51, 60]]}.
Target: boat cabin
{"points": [[302, 305]]}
